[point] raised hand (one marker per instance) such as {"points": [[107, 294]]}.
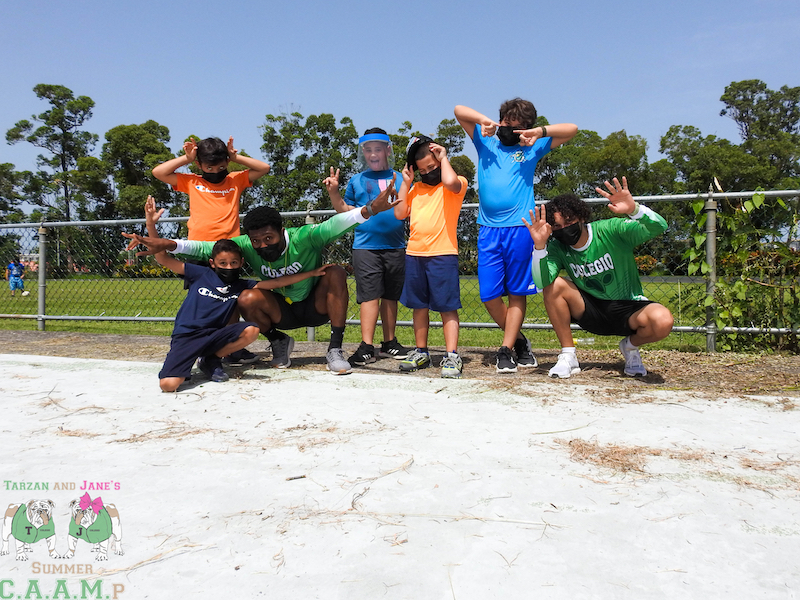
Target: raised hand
{"points": [[620, 200], [527, 137], [153, 245], [190, 150], [539, 228], [386, 198], [331, 182], [439, 152], [490, 129], [233, 153], [408, 175], [151, 214]]}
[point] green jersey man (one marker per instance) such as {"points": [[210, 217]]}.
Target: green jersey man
{"points": [[604, 295]]}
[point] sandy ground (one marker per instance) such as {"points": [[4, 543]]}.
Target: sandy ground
{"points": [[299, 484]]}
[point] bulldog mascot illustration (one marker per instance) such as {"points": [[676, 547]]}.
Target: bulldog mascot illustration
{"points": [[27, 524], [94, 523]]}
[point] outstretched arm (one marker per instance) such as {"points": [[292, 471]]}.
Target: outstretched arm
{"points": [[468, 118], [166, 171], [257, 168], [157, 247], [286, 280]]}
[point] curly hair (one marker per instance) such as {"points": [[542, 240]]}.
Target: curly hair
{"points": [[571, 208], [260, 217], [519, 110]]}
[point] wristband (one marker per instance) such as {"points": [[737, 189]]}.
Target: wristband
{"points": [[544, 131], [368, 206]]}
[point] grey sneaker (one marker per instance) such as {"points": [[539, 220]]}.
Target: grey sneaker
{"points": [[415, 361], [525, 357], [281, 349], [451, 366], [566, 366], [337, 364], [633, 361]]}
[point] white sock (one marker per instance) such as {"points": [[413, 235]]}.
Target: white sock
{"points": [[629, 345], [452, 354], [570, 350]]}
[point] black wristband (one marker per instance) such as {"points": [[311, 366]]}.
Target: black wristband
{"points": [[544, 131]]}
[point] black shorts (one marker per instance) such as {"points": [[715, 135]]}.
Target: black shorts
{"points": [[608, 317], [187, 348], [299, 314], [379, 274]]}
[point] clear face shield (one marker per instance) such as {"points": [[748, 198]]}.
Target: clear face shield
{"points": [[375, 152]]}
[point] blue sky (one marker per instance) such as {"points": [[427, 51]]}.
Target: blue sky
{"points": [[212, 68]]}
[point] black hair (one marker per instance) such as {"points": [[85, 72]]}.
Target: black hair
{"points": [[226, 246], [419, 148], [570, 206], [375, 130], [260, 217], [212, 151], [519, 110]]}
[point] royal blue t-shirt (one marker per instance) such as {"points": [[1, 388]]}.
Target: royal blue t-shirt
{"points": [[16, 269], [383, 231], [209, 303], [505, 179]]}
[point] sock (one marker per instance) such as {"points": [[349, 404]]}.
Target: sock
{"points": [[452, 354], [423, 350], [628, 345], [570, 350], [337, 337], [274, 335]]}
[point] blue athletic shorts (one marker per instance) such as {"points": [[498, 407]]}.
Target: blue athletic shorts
{"points": [[16, 283], [432, 282], [185, 349], [504, 262]]}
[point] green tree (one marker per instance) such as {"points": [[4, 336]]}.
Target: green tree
{"points": [[59, 132], [10, 194]]}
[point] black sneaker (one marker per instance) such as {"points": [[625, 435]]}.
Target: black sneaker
{"points": [[522, 348], [505, 361], [211, 367], [364, 355], [393, 349], [240, 357]]}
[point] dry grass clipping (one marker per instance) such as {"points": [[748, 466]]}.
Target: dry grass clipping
{"points": [[621, 459]]}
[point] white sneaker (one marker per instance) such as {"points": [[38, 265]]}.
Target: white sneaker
{"points": [[566, 366], [633, 361]]}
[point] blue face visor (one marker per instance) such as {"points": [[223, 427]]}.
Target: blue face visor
{"points": [[374, 152]]}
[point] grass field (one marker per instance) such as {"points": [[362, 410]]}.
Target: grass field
{"points": [[163, 297]]}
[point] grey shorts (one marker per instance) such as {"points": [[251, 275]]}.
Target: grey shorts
{"points": [[379, 274]]}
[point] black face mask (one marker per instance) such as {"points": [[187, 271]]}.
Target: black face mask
{"points": [[432, 177], [270, 252], [215, 177], [506, 135], [228, 275], [570, 234]]}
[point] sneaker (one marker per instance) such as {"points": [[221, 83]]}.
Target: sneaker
{"points": [[505, 361], [633, 361], [451, 366], [281, 349], [337, 363], [364, 355], [393, 349], [211, 367], [525, 358], [566, 366], [240, 357], [415, 361]]}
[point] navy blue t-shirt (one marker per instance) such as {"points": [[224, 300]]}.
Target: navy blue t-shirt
{"points": [[209, 303]]}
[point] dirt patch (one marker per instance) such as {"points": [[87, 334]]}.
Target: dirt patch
{"points": [[713, 375]]}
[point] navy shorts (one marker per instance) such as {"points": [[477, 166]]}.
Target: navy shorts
{"points": [[379, 274], [608, 317], [432, 282], [504, 262], [302, 313], [185, 349]]}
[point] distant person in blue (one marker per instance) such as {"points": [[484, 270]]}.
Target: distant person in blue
{"points": [[15, 272], [506, 169], [379, 246]]}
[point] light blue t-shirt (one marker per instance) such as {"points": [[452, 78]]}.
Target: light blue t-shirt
{"points": [[505, 179], [383, 231]]}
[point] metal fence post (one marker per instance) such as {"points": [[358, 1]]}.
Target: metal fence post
{"points": [[311, 332], [42, 278], [711, 259]]}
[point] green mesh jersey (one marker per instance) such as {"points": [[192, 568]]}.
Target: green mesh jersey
{"points": [[605, 266], [303, 253]]}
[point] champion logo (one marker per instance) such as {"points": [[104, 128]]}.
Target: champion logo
{"points": [[201, 188], [224, 290]]}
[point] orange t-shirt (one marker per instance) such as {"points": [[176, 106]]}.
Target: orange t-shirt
{"points": [[434, 219], [213, 208]]}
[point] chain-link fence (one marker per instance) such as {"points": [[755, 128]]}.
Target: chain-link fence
{"points": [[81, 270]]}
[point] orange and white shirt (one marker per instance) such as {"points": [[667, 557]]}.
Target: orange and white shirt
{"points": [[213, 208]]}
